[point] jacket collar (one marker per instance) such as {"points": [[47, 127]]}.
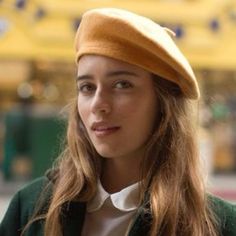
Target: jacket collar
{"points": [[72, 214], [72, 218]]}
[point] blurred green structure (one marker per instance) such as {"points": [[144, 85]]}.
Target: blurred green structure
{"points": [[32, 142]]}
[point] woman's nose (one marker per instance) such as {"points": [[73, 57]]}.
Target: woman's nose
{"points": [[101, 103]]}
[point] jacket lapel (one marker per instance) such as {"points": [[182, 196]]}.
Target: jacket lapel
{"points": [[72, 218], [142, 223]]}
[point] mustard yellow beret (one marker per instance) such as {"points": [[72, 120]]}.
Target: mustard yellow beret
{"points": [[135, 39]]}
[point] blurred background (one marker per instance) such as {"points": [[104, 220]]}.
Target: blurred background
{"points": [[37, 72]]}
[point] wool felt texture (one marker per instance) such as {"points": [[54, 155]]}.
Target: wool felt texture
{"points": [[137, 40]]}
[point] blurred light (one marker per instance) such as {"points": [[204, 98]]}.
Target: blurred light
{"points": [[4, 26], [179, 31], [76, 24], [214, 24], [51, 92], [20, 4], [40, 13], [25, 90], [232, 15]]}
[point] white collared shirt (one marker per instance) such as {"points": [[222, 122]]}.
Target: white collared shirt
{"points": [[111, 214]]}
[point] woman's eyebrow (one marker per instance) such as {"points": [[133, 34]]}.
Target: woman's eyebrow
{"points": [[120, 73], [83, 77]]}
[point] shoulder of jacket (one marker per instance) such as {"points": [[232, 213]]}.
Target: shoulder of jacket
{"points": [[225, 214], [34, 187], [34, 195], [220, 204], [41, 186]]}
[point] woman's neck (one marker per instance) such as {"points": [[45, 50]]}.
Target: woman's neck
{"points": [[118, 174]]}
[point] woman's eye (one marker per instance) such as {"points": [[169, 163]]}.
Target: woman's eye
{"points": [[86, 88], [123, 84]]}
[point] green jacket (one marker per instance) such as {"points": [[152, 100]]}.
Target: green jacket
{"points": [[22, 207]]}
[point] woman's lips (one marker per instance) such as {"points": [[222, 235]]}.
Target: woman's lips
{"points": [[104, 131]]}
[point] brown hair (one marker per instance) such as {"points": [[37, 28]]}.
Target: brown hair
{"points": [[170, 171]]}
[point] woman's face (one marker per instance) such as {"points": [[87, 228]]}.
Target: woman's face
{"points": [[117, 104]]}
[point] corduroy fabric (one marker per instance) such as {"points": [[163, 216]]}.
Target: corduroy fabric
{"points": [[137, 40]]}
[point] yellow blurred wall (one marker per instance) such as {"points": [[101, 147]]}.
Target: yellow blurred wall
{"points": [[44, 29]]}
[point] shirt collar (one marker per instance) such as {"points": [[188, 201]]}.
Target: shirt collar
{"points": [[125, 200]]}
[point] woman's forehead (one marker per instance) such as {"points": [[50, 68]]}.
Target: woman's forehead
{"points": [[88, 63]]}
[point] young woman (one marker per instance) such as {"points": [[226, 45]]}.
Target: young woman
{"points": [[131, 166]]}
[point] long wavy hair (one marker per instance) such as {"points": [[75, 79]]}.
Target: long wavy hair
{"points": [[170, 171]]}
